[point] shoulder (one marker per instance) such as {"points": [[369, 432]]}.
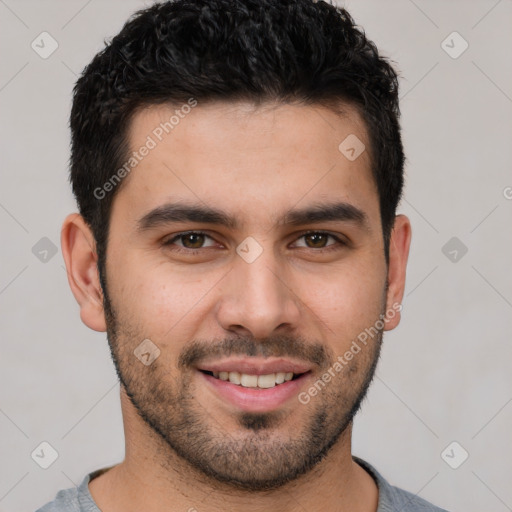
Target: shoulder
{"points": [[406, 501], [65, 500], [74, 499], [393, 498]]}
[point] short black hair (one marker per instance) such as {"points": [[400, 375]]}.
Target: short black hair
{"points": [[289, 51]]}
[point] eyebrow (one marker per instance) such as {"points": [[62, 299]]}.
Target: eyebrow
{"points": [[319, 212]]}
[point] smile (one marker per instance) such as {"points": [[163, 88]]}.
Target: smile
{"points": [[254, 381]]}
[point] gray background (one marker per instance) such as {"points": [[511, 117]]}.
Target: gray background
{"points": [[444, 374]]}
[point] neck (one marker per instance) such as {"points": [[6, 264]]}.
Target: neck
{"points": [[153, 478]]}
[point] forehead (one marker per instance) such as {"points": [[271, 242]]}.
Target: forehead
{"points": [[249, 160]]}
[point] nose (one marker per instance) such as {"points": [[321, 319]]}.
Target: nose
{"points": [[257, 300]]}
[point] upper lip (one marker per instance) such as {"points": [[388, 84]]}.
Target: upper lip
{"points": [[255, 366]]}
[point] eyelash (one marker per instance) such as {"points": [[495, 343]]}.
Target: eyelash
{"points": [[196, 251]]}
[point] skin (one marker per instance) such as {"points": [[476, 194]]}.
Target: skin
{"points": [[255, 163]]}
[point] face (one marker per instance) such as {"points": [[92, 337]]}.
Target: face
{"points": [[246, 246]]}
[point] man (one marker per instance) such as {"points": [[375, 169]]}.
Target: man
{"points": [[237, 167]]}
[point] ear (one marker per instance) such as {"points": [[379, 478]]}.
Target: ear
{"points": [[79, 251], [398, 255]]}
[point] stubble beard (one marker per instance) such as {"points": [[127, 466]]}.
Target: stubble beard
{"points": [[256, 456]]}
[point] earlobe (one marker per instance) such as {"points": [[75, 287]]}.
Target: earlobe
{"points": [[79, 252], [398, 255]]}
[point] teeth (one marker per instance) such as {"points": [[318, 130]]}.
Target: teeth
{"points": [[249, 381], [254, 381], [267, 381], [234, 377]]}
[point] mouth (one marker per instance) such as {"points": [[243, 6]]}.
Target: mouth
{"points": [[255, 385], [247, 380]]}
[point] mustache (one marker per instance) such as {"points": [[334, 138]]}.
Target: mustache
{"points": [[276, 346]]}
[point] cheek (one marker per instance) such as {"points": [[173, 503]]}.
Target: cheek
{"points": [[166, 300], [162, 299], [347, 302]]}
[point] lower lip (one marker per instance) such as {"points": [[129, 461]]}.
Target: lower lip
{"points": [[255, 399]]}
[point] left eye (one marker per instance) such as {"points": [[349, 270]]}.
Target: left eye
{"points": [[318, 239]]}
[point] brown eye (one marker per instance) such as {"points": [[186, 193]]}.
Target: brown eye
{"points": [[318, 240], [192, 240]]}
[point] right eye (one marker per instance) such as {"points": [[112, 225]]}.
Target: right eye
{"points": [[194, 238]]}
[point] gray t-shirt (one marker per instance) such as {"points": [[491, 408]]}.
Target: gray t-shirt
{"points": [[391, 499]]}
